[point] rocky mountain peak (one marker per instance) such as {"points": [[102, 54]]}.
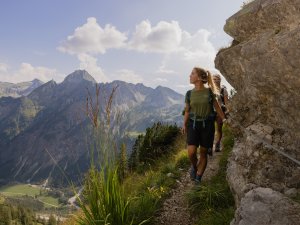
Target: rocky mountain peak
{"points": [[78, 76], [163, 89], [37, 81]]}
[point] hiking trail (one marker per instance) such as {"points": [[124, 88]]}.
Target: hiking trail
{"points": [[175, 209]]}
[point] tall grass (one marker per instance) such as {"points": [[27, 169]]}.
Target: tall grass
{"points": [[103, 200]]}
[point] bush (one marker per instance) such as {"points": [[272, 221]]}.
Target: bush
{"points": [[154, 144]]}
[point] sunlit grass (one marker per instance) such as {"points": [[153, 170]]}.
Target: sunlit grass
{"points": [[134, 134], [49, 201], [153, 186], [2, 199], [104, 199], [147, 191], [19, 190]]}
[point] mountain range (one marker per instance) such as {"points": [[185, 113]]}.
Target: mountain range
{"points": [[44, 132]]}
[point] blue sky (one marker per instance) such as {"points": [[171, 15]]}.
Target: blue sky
{"points": [[155, 42]]}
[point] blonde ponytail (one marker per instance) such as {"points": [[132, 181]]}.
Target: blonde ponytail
{"points": [[211, 83]]}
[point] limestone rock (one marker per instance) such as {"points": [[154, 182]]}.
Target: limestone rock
{"points": [[291, 192], [267, 207], [263, 66]]}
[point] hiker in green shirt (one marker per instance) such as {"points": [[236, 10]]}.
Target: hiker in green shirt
{"points": [[199, 117]]}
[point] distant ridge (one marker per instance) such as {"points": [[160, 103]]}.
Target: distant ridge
{"points": [[53, 118], [19, 89]]}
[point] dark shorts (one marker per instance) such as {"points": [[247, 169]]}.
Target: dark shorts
{"points": [[201, 135]]}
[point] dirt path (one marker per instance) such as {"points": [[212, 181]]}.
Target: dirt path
{"points": [[175, 209]]}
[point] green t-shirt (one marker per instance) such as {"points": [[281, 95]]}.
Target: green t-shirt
{"points": [[200, 102]]}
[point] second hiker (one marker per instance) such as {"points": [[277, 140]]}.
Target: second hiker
{"points": [[222, 99]]}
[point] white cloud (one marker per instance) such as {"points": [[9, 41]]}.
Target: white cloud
{"points": [[128, 76], [162, 69], [93, 39], [180, 49], [188, 86], [165, 37], [195, 50], [197, 41], [89, 63], [3, 68], [27, 72], [159, 79]]}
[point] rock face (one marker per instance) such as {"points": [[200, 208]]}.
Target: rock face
{"points": [[263, 66], [265, 206]]}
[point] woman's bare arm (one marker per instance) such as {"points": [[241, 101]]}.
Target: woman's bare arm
{"points": [[218, 109]]}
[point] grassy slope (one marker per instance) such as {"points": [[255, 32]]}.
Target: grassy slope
{"points": [[149, 188], [19, 190]]}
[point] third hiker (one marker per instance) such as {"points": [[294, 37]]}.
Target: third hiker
{"points": [[222, 99]]}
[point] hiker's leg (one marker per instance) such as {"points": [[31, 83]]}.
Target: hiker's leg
{"points": [[192, 152], [219, 129], [202, 161]]}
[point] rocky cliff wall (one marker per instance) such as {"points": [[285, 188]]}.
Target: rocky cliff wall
{"points": [[263, 65]]}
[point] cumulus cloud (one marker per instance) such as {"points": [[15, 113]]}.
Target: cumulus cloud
{"points": [[180, 50], [181, 86], [159, 79], [27, 72], [128, 76], [195, 50], [93, 39], [165, 37], [162, 69], [89, 63], [3, 68]]}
